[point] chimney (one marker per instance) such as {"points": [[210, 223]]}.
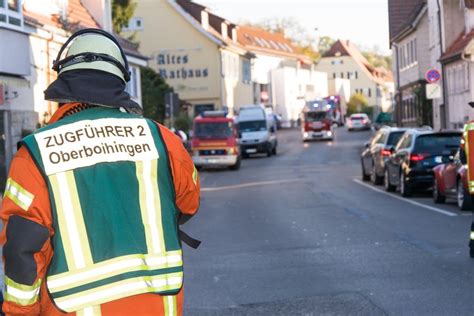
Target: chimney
{"points": [[205, 19], [224, 30]]}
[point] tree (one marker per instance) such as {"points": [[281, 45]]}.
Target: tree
{"points": [[154, 89], [325, 43], [377, 59], [358, 103], [122, 12]]}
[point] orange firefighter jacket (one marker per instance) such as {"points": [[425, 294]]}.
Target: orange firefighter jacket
{"points": [[25, 174]]}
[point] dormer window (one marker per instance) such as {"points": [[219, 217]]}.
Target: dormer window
{"points": [[11, 14]]}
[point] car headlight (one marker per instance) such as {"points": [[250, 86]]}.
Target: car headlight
{"points": [[305, 134]]}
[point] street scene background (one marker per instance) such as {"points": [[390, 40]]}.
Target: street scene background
{"points": [[327, 135]]}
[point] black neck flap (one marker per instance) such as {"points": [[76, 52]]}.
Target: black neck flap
{"points": [[92, 87]]}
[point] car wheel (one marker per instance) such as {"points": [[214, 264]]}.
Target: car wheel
{"points": [[463, 197], [269, 151], [386, 181], [365, 177], [237, 164], [405, 189], [437, 196], [245, 155], [377, 180]]}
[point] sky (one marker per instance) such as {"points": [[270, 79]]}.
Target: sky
{"points": [[364, 22]]}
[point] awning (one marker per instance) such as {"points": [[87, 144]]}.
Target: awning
{"points": [[14, 81]]}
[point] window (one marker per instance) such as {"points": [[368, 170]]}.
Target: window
{"points": [[135, 24], [11, 14], [369, 92], [342, 75], [246, 71], [14, 5], [356, 75], [348, 75], [132, 85], [334, 75]]}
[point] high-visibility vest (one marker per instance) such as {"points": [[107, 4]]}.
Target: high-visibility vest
{"points": [[113, 206], [468, 139]]}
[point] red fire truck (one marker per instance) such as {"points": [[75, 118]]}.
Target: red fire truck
{"points": [[215, 141]]}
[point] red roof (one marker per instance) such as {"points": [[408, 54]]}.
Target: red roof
{"points": [[77, 15], [458, 47]]}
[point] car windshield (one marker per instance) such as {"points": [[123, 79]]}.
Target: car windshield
{"points": [[252, 126], [315, 116], [394, 137], [357, 118], [213, 130], [440, 144]]}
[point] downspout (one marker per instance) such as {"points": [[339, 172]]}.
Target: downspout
{"points": [[399, 92], [444, 123]]}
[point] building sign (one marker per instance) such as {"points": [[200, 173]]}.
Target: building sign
{"points": [[433, 91], [176, 66]]}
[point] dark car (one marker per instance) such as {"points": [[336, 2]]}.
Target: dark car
{"points": [[450, 181], [377, 151], [411, 164]]}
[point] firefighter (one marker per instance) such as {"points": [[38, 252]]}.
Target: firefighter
{"points": [[467, 157], [93, 200]]}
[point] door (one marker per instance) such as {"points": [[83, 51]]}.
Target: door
{"points": [[450, 174]]}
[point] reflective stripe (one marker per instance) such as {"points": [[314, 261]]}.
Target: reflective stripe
{"points": [[20, 293], [71, 221], [113, 267], [472, 235], [120, 289], [171, 307], [18, 194], [195, 176], [469, 127], [150, 205], [90, 311]]}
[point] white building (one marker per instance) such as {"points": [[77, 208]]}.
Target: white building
{"points": [[345, 61], [282, 76]]}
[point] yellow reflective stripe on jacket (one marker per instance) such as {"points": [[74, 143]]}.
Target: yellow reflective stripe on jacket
{"points": [[71, 221], [472, 235], [150, 205], [113, 267], [195, 176], [21, 294], [90, 311], [18, 194], [120, 289], [171, 307]]}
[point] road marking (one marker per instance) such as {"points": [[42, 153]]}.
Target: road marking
{"points": [[431, 208], [250, 184]]}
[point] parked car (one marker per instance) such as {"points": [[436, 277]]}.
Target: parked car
{"points": [[450, 181], [411, 164], [377, 151], [358, 121]]}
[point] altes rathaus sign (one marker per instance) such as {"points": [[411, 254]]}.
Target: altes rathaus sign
{"points": [[176, 66]]}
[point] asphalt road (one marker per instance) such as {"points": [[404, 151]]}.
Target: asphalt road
{"points": [[300, 234]]}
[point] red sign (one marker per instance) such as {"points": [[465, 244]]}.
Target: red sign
{"points": [[432, 76]]}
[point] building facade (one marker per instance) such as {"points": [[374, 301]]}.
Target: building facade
{"points": [[411, 62], [283, 78], [196, 52], [345, 61]]}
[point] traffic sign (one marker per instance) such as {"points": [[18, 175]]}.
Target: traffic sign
{"points": [[433, 91], [432, 76]]}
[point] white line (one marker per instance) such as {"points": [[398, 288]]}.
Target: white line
{"points": [[431, 208], [251, 184]]}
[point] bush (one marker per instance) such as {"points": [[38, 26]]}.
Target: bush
{"points": [[154, 89]]}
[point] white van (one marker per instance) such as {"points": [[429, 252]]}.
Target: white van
{"points": [[257, 129]]}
